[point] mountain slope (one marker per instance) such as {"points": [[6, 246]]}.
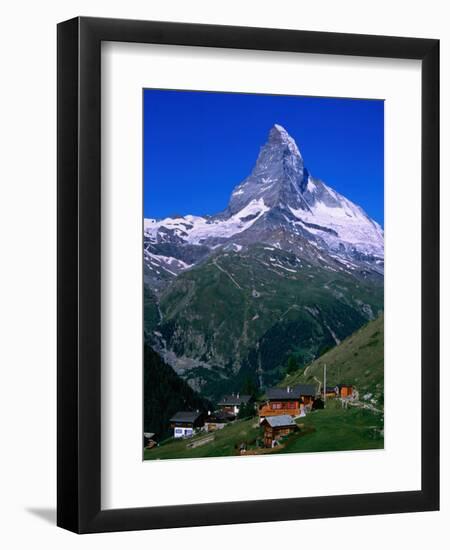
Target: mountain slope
{"points": [[250, 311], [165, 393], [358, 360]]}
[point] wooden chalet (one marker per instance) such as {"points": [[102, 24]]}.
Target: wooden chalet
{"points": [[345, 390], [276, 427], [218, 420], [292, 401], [185, 422], [331, 391], [233, 403]]}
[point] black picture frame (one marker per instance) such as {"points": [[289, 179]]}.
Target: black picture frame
{"points": [[79, 280]]}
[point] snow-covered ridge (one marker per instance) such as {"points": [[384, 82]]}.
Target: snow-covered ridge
{"points": [[198, 229], [349, 223]]}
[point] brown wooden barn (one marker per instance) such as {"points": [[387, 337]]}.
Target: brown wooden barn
{"points": [[276, 427], [345, 390], [291, 400]]}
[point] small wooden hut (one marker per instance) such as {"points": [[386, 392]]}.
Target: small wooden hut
{"points": [[276, 427]]}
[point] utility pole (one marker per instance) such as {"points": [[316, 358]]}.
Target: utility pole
{"points": [[324, 385]]}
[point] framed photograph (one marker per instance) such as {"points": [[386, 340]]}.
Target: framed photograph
{"points": [[248, 288]]}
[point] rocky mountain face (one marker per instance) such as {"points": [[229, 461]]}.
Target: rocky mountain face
{"points": [[290, 267]]}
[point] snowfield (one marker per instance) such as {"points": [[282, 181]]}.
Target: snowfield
{"points": [[352, 225], [196, 229]]}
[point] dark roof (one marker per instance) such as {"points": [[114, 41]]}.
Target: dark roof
{"points": [[345, 386], [234, 400], [280, 421], [330, 388], [185, 416], [221, 416], [293, 392]]}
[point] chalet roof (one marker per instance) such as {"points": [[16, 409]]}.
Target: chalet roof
{"points": [[231, 400], [220, 416], [280, 421], [330, 388], [185, 416], [293, 392]]}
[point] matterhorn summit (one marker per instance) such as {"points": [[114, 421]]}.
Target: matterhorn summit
{"points": [[280, 203], [279, 175], [280, 181]]}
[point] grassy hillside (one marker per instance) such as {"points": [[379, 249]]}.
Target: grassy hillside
{"points": [[358, 360], [332, 429], [338, 429], [225, 443]]}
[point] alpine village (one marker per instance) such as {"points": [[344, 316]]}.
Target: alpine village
{"points": [[264, 324]]}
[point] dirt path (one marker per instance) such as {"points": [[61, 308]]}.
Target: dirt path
{"points": [[367, 406], [226, 273], [319, 382], [305, 372]]}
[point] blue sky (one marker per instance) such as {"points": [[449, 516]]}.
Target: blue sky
{"points": [[199, 145]]}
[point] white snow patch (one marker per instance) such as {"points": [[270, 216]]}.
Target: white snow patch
{"points": [[311, 186], [285, 268], [351, 224], [198, 228], [157, 259]]}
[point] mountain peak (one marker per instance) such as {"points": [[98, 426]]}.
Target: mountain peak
{"points": [[279, 176], [279, 135], [278, 129]]}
